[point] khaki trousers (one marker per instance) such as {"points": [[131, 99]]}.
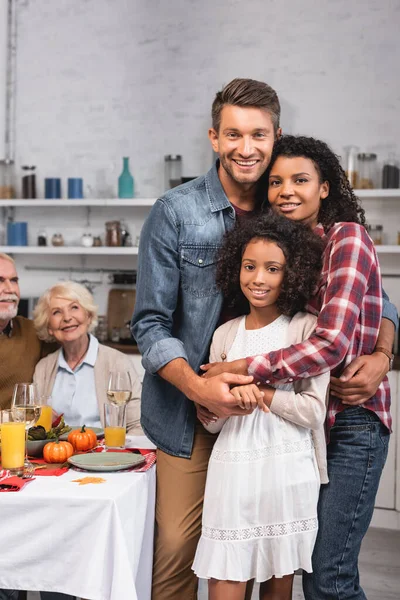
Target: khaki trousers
{"points": [[179, 504]]}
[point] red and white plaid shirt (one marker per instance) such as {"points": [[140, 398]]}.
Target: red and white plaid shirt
{"points": [[348, 304]]}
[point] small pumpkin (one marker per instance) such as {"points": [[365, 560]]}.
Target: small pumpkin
{"points": [[82, 439], [57, 452]]}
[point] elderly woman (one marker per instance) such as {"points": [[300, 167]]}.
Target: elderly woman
{"points": [[76, 375]]}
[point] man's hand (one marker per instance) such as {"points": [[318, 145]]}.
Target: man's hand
{"points": [[360, 380], [239, 367], [214, 393], [249, 396]]}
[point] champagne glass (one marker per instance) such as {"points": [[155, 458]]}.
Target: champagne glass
{"points": [[119, 389], [26, 408]]}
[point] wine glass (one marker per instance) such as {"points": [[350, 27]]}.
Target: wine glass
{"points": [[119, 390], [26, 407]]}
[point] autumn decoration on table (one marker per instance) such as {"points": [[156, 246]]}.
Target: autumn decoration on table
{"points": [[57, 452], [83, 439]]}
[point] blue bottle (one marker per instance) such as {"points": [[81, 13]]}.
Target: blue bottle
{"points": [[125, 181]]}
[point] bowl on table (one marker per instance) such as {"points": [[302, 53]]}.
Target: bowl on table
{"points": [[35, 447]]}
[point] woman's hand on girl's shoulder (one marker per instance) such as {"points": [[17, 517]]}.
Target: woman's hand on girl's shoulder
{"points": [[249, 397]]}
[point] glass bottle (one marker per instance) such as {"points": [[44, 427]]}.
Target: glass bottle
{"points": [[28, 182], [390, 173], [173, 170], [376, 234], [125, 181], [350, 165], [7, 190], [367, 171], [113, 233]]}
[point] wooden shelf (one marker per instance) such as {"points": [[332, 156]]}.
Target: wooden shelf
{"points": [[125, 348]]}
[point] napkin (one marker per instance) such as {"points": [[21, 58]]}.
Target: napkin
{"points": [[51, 469], [16, 483]]}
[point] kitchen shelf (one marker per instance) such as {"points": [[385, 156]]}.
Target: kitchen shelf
{"points": [[48, 250], [110, 203], [378, 193], [381, 249]]}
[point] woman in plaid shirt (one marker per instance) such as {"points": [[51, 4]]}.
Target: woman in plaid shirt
{"points": [[307, 184]]}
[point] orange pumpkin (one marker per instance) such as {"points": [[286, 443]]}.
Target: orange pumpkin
{"points": [[83, 439], [57, 452]]}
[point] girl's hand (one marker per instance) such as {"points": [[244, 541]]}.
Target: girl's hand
{"points": [[205, 416], [249, 397]]}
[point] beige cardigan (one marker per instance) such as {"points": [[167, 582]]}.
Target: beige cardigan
{"points": [[306, 405], [107, 360]]}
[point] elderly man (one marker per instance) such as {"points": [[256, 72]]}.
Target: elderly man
{"points": [[20, 349]]}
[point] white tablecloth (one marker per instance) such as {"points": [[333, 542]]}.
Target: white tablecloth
{"points": [[92, 541]]}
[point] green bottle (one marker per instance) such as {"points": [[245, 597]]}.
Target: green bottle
{"points": [[125, 181]]}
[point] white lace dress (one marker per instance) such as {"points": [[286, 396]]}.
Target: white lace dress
{"points": [[260, 506]]}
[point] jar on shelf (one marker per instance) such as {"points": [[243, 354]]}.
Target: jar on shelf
{"points": [[42, 238], [350, 165], [367, 170], [57, 239], [173, 170], [390, 173], [28, 182], [7, 187], [113, 233], [376, 234]]}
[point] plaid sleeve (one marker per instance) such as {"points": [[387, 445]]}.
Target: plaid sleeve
{"points": [[348, 260]]}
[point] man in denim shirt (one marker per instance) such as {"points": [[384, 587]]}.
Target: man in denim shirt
{"points": [[178, 308]]}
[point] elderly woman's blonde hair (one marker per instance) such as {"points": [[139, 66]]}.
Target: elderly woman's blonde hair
{"points": [[69, 290]]}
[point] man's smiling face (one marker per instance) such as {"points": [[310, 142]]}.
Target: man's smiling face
{"points": [[9, 292], [244, 143]]}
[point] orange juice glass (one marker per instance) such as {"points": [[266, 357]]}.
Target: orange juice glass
{"points": [[115, 437], [114, 425], [13, 447], [46, 417]]}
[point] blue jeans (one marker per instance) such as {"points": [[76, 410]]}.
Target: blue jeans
{"points": [[357, 453]]}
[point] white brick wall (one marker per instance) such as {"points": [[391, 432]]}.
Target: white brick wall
{"points": [[99, 79]]}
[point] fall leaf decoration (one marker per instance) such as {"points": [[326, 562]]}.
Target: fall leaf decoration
{"points": [[86, 480]]}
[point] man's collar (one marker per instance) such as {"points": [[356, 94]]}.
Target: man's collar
{"points": [[216, 195], [7, 331]]}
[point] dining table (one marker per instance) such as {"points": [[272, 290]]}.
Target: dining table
{"points": [[92, 541]]}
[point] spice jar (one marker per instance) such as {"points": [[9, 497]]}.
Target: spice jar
{"points": [[113, 233], [350, 165], [376, 234], [7, 190], [42, 238], [57, 239], [29, 182], [173, 170], [390, 173], [367, 171]]}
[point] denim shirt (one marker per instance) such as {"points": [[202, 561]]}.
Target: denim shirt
{"points": [[177, 301]]}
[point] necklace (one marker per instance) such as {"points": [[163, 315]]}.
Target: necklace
{"points": [[79, 359]]}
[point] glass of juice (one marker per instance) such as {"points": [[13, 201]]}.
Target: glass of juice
{"points": [[12, 443], [46, 413], [114, 425]]}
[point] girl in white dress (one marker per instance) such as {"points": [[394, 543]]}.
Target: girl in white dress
{"points": [[260, 506]]}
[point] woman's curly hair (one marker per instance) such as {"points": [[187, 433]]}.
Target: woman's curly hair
{"points": [[302, 250], [341, 204]]}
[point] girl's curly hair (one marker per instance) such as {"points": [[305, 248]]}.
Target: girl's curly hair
{"points": [[341, 204], [302, 250]]}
